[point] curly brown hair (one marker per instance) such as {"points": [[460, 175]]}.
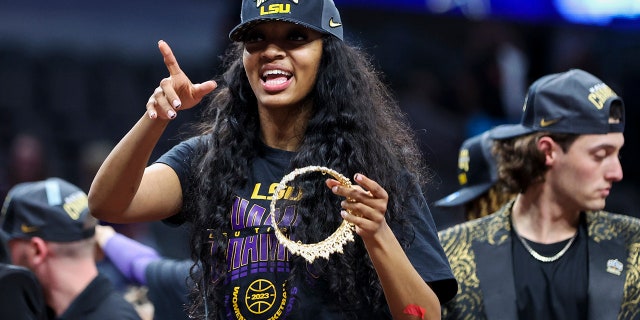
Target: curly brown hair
{"points": [[487, 203], [520, 162]]}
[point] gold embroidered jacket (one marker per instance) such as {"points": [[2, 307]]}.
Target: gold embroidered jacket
{"points": [[480, 250]]}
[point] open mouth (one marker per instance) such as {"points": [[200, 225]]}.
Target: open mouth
{"points": [[275, 77]]}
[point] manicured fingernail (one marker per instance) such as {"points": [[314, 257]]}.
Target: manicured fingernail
{"points": [[152, 115], [172, 114], [343, 213], [358, 177], [334, 189], [176, 103]]}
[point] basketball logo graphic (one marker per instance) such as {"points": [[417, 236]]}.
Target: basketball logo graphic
{"points": [[260, 297]]}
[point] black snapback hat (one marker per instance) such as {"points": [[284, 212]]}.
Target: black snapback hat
{"points": [[574, 102], [53, 209], [477, 171], [319, 15]]}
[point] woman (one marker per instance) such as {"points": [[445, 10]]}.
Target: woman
{"points": [[294, 95]]}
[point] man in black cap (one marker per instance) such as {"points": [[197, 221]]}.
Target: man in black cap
{"points": [[480, 192], [552, 253], [51, 233]]}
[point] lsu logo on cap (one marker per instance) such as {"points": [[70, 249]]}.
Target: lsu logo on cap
{"points": [[274, 8]]}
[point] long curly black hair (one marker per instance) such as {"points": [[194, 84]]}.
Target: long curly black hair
{"points": [[355, 126]]}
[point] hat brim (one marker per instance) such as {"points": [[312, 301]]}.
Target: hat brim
{"points": [[237, 33], [463, 195], [507, 131]]}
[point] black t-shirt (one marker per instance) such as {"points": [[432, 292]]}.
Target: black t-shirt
{"points": [[20, 294], [169, 284], [552, 290], [99, 301], [259, 265]]}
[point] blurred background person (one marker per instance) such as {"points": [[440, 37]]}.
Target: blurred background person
{"points": [[549, 253], [452, 84], [480, 192], [51, 233], [21, 295], [26, 162], [166, 280]]}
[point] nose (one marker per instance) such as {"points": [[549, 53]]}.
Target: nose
{"points": [[614, 172], [273, 51]]}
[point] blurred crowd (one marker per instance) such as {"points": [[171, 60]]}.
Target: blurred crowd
{"points": [[63, 111]]}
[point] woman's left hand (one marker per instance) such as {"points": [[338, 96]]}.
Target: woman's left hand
{"points": [[408, 295], [365, 204]]}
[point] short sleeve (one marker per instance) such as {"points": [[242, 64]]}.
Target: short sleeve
{"points": [[425, 251], [180, 159]]}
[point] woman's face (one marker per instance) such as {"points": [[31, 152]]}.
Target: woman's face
{"points": [[281, 60]]}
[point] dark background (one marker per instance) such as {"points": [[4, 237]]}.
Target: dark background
{"points": [[75, 76]]}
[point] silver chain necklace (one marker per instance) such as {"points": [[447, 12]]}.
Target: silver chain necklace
{"points": [[538, 256]]}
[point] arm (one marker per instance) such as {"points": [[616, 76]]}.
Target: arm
{"points": [[408, 295], [125, 189], [129, 256]]}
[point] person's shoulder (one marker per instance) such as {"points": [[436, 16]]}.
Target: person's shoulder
{"points": [[607, 225], [100, 300], [120, 308], [168, 273], [10, 268], [198, 139], [468, 226], [21, 294], [612, 217], [9, 271], [17, 279], [194, 142], [180, 155], [493, 229], [115, 306]]}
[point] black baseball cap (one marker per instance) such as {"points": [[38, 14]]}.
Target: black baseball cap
{"points": [[53, 209], [574, 102], [319, 15], [477, 171]]}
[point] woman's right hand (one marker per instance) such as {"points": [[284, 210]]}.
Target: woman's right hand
{"points": [[176, 91]]}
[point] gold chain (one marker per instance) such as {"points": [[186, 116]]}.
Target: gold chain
{"points": [[538, 256]]}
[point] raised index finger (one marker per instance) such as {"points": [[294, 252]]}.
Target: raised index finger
{"points": [[169, 59]]}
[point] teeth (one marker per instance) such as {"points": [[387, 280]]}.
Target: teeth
{"points": [[276, 81], [275, 72]]}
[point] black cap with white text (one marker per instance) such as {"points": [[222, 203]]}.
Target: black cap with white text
{"points": [[574, 102], [53, 209]]}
